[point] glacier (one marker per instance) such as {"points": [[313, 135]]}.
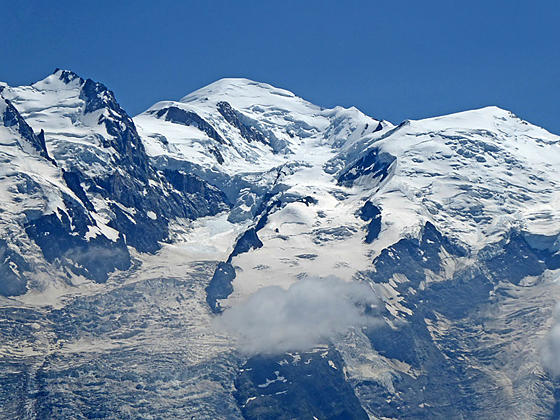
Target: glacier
{"points": [[124, 239]]}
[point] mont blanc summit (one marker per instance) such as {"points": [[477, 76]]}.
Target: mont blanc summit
{"points": [[243, 253]]}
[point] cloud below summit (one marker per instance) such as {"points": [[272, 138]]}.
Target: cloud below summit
{"points": [[550, 352], [310, 312]]}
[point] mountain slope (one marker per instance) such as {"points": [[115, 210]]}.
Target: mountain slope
{"points": [[239, 125], [109, 197], [453, 220], [193, 206], [475, 174]]}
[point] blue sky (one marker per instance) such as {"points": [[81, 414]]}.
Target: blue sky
{"points": [[392, 59]]}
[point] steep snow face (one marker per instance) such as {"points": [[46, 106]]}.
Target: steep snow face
{"points": [[21, 157], [38, 207], [22, 164], [75, 135], [475, 175], [237, 125]]}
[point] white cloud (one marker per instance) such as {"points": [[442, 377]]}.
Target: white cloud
{"points": [[550, 353], [312, 311]]}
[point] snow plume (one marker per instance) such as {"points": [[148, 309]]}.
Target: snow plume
{"points": [[310, 312], [550, 353]]}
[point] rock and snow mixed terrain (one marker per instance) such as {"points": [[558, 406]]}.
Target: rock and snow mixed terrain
{"points": [[124, 239]]}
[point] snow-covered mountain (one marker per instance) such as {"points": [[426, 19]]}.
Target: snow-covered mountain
{"points": [[123, 239], [96, 190]]}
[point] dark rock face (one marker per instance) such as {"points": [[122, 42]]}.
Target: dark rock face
{"points": [[217, 154], [180, 116], [311, 385], [249, 240], [437, 394], [412, 256], [97, 96], [451, 362], [373, 162], [12, 118], [68, 76], [122, 131], [236, 119], [441, 390], [73, 181], [196, 199], [61, 239], [204, 198], [220, 286], [518, 259], [371, 213]]}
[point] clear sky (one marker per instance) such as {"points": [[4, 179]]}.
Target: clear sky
{"points": [[392, 59]]}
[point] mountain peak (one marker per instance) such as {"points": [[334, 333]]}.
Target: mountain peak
{"points": [[232, 88], [59, 80], [66, 76], [489, 118]]}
